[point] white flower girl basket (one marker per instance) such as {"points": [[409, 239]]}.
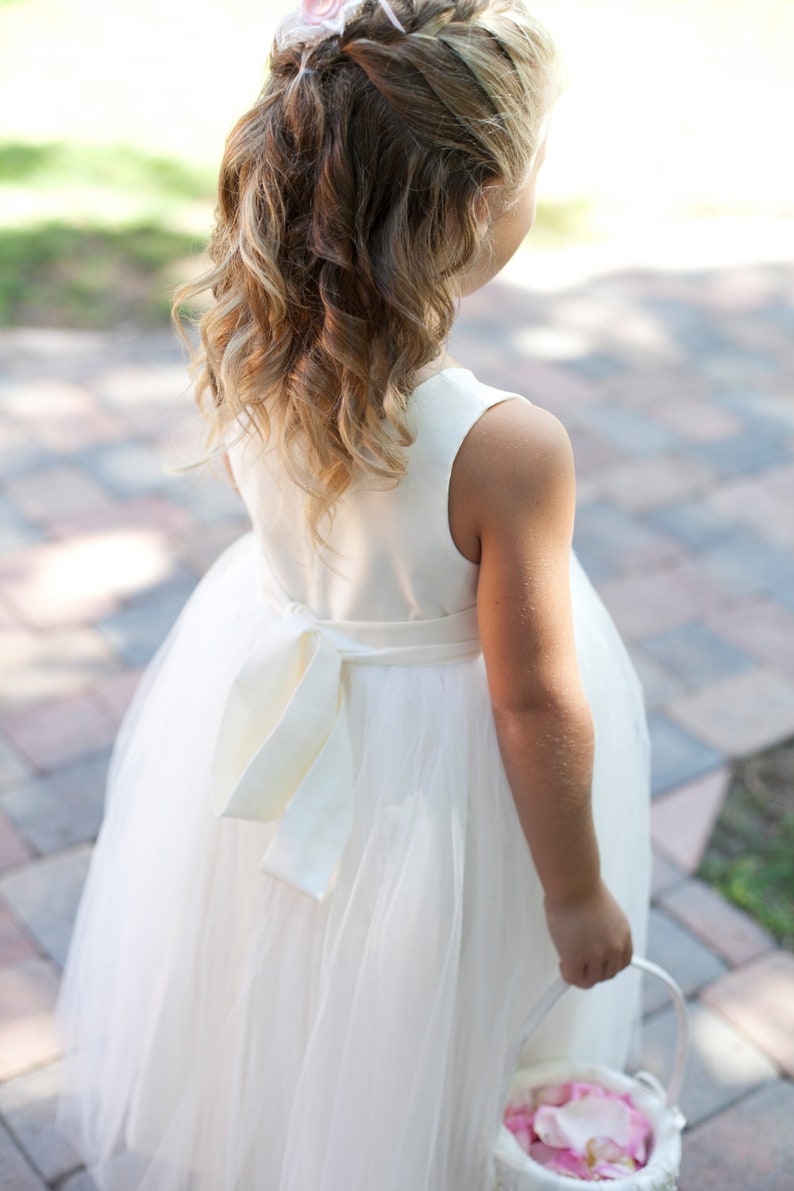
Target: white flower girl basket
{"points": [[516, 1171]]}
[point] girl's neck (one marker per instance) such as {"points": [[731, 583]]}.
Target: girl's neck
{"points": [[440, 364]]}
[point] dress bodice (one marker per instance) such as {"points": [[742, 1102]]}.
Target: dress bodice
{"points": [[390, 554]]}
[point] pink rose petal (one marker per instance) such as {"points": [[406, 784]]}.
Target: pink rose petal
{"points": [[548, 1127], [542, 1153], [556, 1094], [582, 1130], [567, 1162]]}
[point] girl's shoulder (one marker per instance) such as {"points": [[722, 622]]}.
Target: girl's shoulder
{"points": [[514, 467]]}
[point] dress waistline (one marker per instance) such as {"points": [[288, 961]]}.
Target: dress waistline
{"points": [[284, 751]]}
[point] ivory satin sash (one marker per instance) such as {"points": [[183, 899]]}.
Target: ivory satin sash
{"points": [[283, 749]]}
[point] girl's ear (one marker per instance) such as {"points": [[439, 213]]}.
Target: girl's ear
{"points": [[488, 201], [493, 200]]}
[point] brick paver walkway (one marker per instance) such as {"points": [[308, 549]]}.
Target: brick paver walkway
{"points": [[676, 389]]}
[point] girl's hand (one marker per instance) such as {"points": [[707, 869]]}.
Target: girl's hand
{"points": [[592, 937]]}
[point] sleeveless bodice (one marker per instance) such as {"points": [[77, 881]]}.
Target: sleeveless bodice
{"points": [[390, 554]]}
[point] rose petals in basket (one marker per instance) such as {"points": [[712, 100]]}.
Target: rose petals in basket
{"points": [[581, 1130]]}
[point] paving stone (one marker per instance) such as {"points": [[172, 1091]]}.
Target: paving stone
{"points": [[19, 453], [57, 585], [741, 714], [661, 389], [687, 960], [612, 536], [682, 820], [697, 654], [201, 547], [16, 532], [546, 341], [44, 897], [155, 513], [60, 731], [659, 598], [761, 628], [697, 420], [691, 326], [27, 1105], [55, 491], [735, 291], [128, 469], [13, 849], [28, 991], [175, 590], [745, 565], [639, 337], [74, 432], [747, 452], [628, 430], [724, 928], [761, 503], [210, 500], [30, 352], [693, 522], [748, 1147], [136, 633], [133, 385], [664, 875], [60, 809], [658, 684], [677, 755], [80, 1181], [39, 666], [722, 1066], [748, 364], [594, 460], [555, 388], [758, 408], [15, 1173], [643, 484], [758, 999], [596, 365], [12, 767], [598, 571], [36, 400], [14, 944], [116, 691], [73, 582]]}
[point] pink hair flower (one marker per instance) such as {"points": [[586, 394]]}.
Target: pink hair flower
{"points": [[316, 19]]}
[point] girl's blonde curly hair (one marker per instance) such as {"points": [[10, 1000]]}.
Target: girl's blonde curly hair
{"points": [[347, 206]]}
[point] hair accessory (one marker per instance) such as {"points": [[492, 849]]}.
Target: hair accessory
{"points": [[316, 19]]}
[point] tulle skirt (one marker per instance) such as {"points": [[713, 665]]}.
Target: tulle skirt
{"points": [[223, 1032]]}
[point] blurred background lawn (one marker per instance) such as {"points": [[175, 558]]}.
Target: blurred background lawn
{"points": [[113, 117]]}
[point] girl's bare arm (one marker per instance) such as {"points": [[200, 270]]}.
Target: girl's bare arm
{"points": [[512, 501]]}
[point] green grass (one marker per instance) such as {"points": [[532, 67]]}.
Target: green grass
{"points": [[119, 167], [751, 855], [565, 221], [92, 236], [89, 277]]}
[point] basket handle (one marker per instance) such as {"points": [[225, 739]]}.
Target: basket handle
{"points": [[552, 995]]}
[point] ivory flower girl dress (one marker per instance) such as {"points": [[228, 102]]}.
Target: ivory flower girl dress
{"points": [[316, 988]]}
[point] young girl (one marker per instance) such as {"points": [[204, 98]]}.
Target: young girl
{"points": [[388, 693]]}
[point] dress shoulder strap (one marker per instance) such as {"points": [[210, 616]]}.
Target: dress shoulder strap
{"points": [[446, 407]]}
